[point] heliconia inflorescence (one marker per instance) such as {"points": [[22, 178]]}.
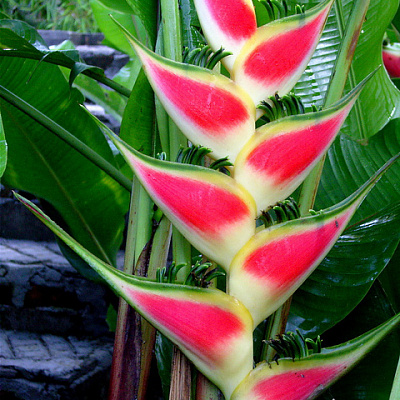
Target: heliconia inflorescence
{"points": [[217, 212], [391, 59]]}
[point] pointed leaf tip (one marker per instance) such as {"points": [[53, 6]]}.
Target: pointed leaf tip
{"points": [[274, 58], [391, 60]]}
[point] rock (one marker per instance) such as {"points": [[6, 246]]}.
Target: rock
{"points": [[46, 367]]}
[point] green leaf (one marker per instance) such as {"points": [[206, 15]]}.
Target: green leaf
{"points": [[191, 35], [91, 203], [390, 280], [346, 274], [147, 12], [138, 125], [372, 378], [121, 6], [377, 104], [20, 39], [164, 354], [112, 102], [349, 163], [129, 10], [113, 36]]}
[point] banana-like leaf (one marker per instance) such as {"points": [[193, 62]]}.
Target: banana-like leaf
{"points": [[276, 160], [113, 37], [378, 102], [77, 189], [391, 60], [275, 57], [18, 39], [277, 260], [212, 328], [209, 108], [369, 380], [227, 24], [144, 11], [307, 378], [209, 208]]}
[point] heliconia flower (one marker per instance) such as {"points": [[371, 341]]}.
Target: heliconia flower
{"points": [[277, 260], [276, 160], [209, 108], [228, 24], [391, 59], [208, 207], [213, 329], [307, 378], [275, 57]]}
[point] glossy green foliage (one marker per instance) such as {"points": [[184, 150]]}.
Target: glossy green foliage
{"points": [[23, 41], [380, 95], [349, 162], [372, 379], [138, 125], [91, 203]]}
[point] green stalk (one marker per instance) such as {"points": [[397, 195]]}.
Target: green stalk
{"points": [[172, 41], [158, 259], [134, 338], [395, 393], [336, 86], [172, 46], [276, 324], [155, 256], [124, 379], [66, 136], [144, 214]]}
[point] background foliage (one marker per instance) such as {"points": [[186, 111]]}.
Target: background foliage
{"points": [[69, 15]]}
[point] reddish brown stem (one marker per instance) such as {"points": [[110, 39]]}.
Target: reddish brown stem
{"points": [[181, 377]]}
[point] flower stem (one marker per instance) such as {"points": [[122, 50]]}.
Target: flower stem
{"points": [[172, 40], [336, 86]]}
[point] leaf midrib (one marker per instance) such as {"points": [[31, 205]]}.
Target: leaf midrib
{"points": [[62, 189]]}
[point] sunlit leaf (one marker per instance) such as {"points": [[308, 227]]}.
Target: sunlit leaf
{"points": [[91, 203]]}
